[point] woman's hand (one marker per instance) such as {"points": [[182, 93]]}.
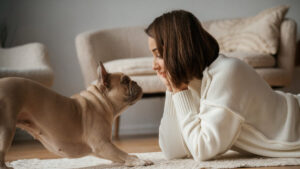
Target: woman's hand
{"points": [[175, 89], [182, 87], [165, 81]]}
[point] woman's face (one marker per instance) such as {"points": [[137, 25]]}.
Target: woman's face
{"points": [[158, 62]]}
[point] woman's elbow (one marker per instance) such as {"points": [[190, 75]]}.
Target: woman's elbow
{"points": [[202, 156], [171, 152]]}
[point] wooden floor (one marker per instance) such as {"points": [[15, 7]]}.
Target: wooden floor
{"points": [[33, 149]]}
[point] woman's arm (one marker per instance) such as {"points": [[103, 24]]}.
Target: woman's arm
{"points": [[170, 138], [209, 133]]}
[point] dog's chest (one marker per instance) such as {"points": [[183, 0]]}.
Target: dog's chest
{"points": [[66, 149]]}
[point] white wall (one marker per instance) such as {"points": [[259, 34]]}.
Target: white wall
{"points": [[57, 22]]}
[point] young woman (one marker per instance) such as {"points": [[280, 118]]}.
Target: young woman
{"points": [[215, 103]]}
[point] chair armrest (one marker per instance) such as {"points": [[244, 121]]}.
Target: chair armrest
{"points": [[287, 46], [87, 62]]}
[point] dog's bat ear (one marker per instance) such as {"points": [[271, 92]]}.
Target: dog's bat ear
{"points": [[102, 74]]}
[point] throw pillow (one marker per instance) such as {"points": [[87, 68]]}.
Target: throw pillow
{"points": [[259, 33]]}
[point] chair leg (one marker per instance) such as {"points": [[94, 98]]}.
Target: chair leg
{"points": [[117, 126]]}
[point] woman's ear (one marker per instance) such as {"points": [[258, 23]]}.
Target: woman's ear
{"points": [[102, 74]]}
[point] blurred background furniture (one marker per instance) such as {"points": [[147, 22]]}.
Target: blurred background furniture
{"points": [[124, 49], [27, 61], [119, 44]]}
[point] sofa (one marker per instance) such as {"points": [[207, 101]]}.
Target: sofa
{"points": [[266, 41]]}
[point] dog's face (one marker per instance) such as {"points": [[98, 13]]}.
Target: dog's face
{"points": [[119, 86]]}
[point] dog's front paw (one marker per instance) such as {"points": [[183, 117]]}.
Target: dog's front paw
{"points": [[135, 161]]}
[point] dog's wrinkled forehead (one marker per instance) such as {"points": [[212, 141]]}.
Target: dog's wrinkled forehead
{"points": [[118, 79], [123, 76]]}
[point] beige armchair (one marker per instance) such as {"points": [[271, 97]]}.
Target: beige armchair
{"points": [[114, 44]]}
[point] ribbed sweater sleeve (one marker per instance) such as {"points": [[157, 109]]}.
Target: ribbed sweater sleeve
{"points": [[170, 138], [208, 131]]}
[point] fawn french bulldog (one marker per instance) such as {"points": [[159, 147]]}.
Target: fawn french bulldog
{"points": [[69, 127]]}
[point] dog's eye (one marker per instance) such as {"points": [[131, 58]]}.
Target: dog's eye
{"points": [[125, 80]]}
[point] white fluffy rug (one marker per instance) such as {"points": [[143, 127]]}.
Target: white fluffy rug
{"points": [[229, 160]]}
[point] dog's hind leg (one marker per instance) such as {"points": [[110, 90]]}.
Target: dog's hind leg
{"points": [[7, 131], [6, 136]]}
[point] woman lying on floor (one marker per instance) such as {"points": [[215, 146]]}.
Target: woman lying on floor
{"points": [[215, 103]]}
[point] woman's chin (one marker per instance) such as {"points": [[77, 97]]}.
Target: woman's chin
{"points": [[162, 74]]}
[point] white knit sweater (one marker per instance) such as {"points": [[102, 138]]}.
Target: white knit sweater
{"points": [[231, 108]]}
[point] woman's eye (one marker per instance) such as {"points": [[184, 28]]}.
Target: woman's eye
{"points": [[159, 56]]}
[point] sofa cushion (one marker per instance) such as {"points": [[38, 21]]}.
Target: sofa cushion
{"points": [[150, 83], [259, 33], [256, 60], [131, 66]]}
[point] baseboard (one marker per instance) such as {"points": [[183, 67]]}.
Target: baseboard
{"points": [[124, 131]]}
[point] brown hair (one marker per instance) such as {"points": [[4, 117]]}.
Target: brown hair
{"points": [[187, 49]]}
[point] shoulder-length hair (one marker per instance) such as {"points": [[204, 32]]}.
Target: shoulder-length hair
{"points": [[187, 49]]}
